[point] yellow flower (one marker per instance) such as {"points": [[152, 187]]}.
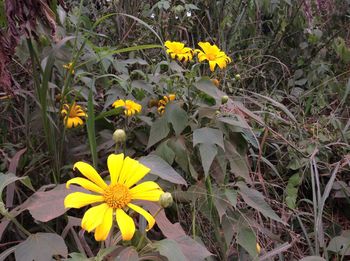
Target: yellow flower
{"points": [[113, 198], [178, 51], [72, 115], [130, 106], [163, 102], [69, 67], [213, 54]]}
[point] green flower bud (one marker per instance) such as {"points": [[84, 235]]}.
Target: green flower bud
{"points": [[224, 99], [166, 200], [119, 136], [237, 77]]}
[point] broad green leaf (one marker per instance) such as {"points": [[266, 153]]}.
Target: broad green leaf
{"points": [[192, 250], [238, 163], [162, 169], [41, 247], [78, 257], [159, 130], [247, 239], [340, 245], [208, 136], [165, 152], [256, 200], [231, 196], [177, 117], [208, 153], [170, 249], [210, 89], [128, 254], [6, 179]]}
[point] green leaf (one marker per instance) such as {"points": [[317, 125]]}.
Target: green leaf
{"points": [[6, 179], [238, 163], [177, 117], [208, 153], [208, 136], [90, 126], [231, 196], [170, 249], [78, 257], [162, 169], [159, 130], [256, 200], [113, 112], [340, 245], [210, 89], [128, 254], [165, 152], [41, 247], [246, 239]]}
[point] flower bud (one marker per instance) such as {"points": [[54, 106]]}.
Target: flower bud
{"points": [[215, 82], [166, 200], [258, 248], [237, 77], [224, 99], [217, 113], [119, 136]]}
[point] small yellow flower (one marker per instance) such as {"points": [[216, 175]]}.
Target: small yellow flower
{"points": [[131, 107], [163, 102], [72, 115], [178, 51], [69, 67], [213, 54], [115, 197], [258, 248]]}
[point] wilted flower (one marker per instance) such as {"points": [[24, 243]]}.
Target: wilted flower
{"points": [[213, 54], [69, 67], [72, 115], [115, 197], [178, 51], [131, 107], [163, 102]]}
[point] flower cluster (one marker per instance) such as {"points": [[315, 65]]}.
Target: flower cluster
{"points": [[73, 115], [131, 107], [209, 52], [115, 198], [163, 102]]}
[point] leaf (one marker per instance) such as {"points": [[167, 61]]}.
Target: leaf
{"points": [[170, 249], [246, 239], [340, 245], [231, 196], [193, 250], [159, 130], [6, 179], [143, 85], [208, 153], [162, 169], [128, 254], [177, 117], [165, 152], [238, 163], [313, 258], [210, 89], [256, 200], [41, 247], [47, 205], [78, 257], [208, 136]]}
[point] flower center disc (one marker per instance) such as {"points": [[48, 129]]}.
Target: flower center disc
{"points": [[211, 57], [117, 196]]}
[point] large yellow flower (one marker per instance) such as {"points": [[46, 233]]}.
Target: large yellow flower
{"points": [[163, 102], [130, 106], [72, 115], [113, 198], [178, 51], [213, 54]]}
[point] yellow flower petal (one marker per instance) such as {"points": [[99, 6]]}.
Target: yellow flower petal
{"points": [[115, 164], [150, 219], [86, 184], [118, 103], [102, 231], [126, 224], [138, 173], [212, 65], [80, 199], [128, 169], [93, 217], [148, 190], [69, 122], [88, 171]]}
